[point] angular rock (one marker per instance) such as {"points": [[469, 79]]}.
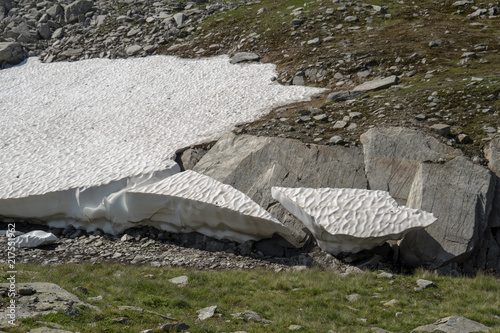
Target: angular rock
{"points": [[424, 284], [393, 155], [44, 31], [189, 157], [340, 96], [441, 129], [73, 11], [244, 57], [55, 11], [189, 201], [254, 164], [10, 53], [179, 18], [453, 324], [207, 312], [459, 193], [350, 220], [377, 84]]}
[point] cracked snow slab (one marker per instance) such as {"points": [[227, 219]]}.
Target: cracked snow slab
{"points": [[74, 134], [351, 220]]}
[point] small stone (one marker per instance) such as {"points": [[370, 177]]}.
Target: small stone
{"points": [[441, 129], [180, 281], [336, 140], [424, 284], [126, 238], [354, 115], [207, 312], [399, 314], [351, 19], [353, 297], [320, 117], [244, 57], [464, 139], [314, 41], [391, 302], [385, 275], [421, 117], [340, 124], [435, 43], [295, 327], [179, 18], [261, 10]]}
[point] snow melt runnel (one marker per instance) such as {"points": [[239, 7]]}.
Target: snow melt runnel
{"points": [[351, 220]]}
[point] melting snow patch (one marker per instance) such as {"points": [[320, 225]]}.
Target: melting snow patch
{"points": [[351, 220], [75, 136]]}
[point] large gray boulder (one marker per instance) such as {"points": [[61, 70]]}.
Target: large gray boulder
{"points": [[73, 11], [255, 164], [393, 155], [459, 193], [11, 53]]}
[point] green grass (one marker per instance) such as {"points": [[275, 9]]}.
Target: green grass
{"points": [[314, 299]]}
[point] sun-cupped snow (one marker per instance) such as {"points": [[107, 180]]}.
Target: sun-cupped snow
{"points": [[351, 220], [189, 201], [75, 134]]}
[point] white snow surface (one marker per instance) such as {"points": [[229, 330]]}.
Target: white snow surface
{"points": [[34, 238], [351, 220], [79, 125]]}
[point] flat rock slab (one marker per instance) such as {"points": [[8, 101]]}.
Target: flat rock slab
{"points": [[47, 298], [459, 193], [377, 84], [453, 324], [392, 156], [255, 164], [207, 312], [244, 57], [180, 281]]}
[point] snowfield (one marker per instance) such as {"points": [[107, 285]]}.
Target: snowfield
{"points": [[75, 137]]}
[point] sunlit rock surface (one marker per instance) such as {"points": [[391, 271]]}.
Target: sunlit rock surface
{"points": [[75, 135], [350, 220]]}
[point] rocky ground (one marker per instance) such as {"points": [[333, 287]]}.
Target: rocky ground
{"points": [[444, 55], [150, 246]]}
